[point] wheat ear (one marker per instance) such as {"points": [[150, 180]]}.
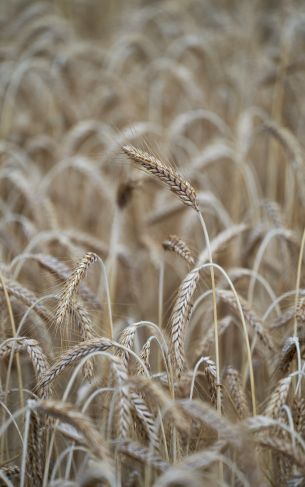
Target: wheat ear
{"points": [[71, 286], [180, 316], [188, 196], [27, 298], [142, 454], [32, 348], [62, 272], [251, 318], [234, 385], [296, 455], [278, 398], [146, 418], [76, 353], [174, 181], [145, 356], [86, 331], [177, 245], [69, 414]]}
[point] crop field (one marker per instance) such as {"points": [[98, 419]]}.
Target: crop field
{"points": [[152, 234]]}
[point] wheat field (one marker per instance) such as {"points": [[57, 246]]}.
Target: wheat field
{"points": [[152, 233]]}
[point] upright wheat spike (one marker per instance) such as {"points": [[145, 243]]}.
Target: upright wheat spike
{"points": [[237, 394], [62, 272], [71, 286], [174, 181], [126, 339], [299, 415], [278, 398], [123, 405], [209, 368], [36, 448], [179, 317], [145, 356]]}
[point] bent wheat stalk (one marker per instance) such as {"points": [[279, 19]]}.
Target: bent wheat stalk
{"points": [[185, 191]]}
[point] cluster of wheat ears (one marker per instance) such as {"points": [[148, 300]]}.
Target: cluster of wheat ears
{"points": [[152, 209]]}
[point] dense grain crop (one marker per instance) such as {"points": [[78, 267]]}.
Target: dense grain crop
{"points": [[152, 209]]}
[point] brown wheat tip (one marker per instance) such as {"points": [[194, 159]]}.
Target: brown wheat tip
{"points": [[287, 354], [182, 188], [177, 245], [125, 192]]}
